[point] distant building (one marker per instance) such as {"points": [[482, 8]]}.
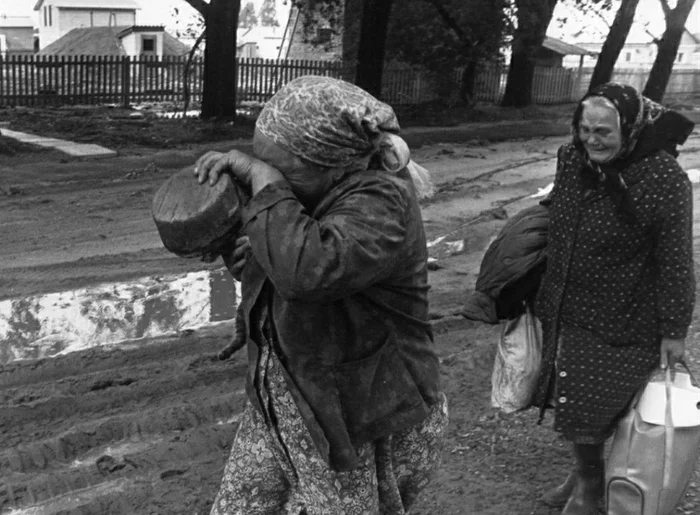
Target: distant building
{"points": [[640, 50], [16, 35], [261, 42], [58, 17], [553, 51], [117, 41]]}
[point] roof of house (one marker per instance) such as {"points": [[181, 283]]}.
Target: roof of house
{"points": [[560, 47], [257, 33], [18, 44], [16, 21], [104, 41], [92, 4], [141, 28]]}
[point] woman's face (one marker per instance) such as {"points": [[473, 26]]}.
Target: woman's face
{"points": [[600, 133], [308, 182]]}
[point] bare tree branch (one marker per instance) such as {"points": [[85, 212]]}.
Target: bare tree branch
{"points": [[186, 73], [200, 5], [450, 21], [666, 8], [654, 39]]}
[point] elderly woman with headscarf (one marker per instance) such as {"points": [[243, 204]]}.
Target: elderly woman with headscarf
{"points": [[617, 297], [345, 412]]}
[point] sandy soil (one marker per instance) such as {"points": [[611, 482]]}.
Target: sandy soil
{"points": [[144, 427]]}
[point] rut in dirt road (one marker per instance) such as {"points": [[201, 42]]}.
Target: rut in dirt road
{"points": [[103, 431]]}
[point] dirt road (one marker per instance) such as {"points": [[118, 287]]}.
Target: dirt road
{"points": [[143, 425]]}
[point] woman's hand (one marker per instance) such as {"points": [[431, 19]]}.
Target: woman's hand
{"points": [[672, 352], [211, 165], [235, 261], [248, 171]]}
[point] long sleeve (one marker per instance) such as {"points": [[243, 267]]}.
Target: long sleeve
{"points": [[355, 242], [673, 254]]}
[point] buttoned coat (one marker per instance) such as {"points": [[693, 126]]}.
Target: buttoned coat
{"points": [[613, 288]]}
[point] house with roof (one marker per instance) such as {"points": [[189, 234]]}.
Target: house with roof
{"points": [[16, 35], [56, 18], [115, 41], [258, 41], [640, 50], [553, 52]]}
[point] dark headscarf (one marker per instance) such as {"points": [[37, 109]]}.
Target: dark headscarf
{"points": [[647, 127]]}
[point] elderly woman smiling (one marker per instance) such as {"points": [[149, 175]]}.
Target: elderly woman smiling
{"points": [[345, 411], [618, 293]]}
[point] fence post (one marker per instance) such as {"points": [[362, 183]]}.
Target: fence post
{"points": [[126, 81]]}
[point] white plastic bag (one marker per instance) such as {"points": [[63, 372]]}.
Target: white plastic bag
{"points": [[516, 368]]}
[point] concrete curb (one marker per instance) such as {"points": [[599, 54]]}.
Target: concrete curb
{"points": [[68, 147]]}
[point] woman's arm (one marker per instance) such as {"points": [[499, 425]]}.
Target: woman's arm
{"points": [[358, 241], [673, 253]]}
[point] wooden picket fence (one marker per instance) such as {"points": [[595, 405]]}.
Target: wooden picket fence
{"points": [[72, 80]]}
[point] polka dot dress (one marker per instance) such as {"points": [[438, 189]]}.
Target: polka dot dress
{"points": [[612, 289]]}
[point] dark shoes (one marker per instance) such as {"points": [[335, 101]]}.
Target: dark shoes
{"points": [[587, 494], [557, 497]]}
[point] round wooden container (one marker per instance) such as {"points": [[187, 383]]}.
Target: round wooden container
{"points": [[195, 219]]}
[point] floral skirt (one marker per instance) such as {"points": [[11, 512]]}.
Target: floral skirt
{"points": [[276, 468]]}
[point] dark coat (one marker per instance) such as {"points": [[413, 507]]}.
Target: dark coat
{"points": [[613, 287], [347, 290], [511, 268]]}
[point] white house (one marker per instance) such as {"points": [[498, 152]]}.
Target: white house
{"points": [[57, 18], [639, 52], [16, 35], [262, 42]]}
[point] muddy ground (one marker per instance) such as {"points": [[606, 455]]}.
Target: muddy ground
{"points": [[144, 427]]}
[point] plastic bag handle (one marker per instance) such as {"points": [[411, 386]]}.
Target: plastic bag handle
{"points": [[687, 369]]}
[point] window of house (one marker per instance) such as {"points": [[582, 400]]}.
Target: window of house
{"points": [[50, 15], [46, 16], [323, 35], [628, 56], [679, 57], [148, 44]]}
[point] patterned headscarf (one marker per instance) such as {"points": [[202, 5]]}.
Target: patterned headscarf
{"points": [[327, 121], [646, 127]]}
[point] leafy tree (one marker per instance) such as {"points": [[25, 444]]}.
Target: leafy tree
{"points": [[614, 42], [247, 17], [667, 47], [268, 14], [453, 35], [533, 17], [220, 71]]}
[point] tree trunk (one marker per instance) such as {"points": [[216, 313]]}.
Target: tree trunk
{"points": [[533, 19], [370, 50], [613, 43], [220, 70], [351, 37], [667, 49], [466, 89]]}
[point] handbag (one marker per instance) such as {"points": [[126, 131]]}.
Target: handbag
{"points": [[518, 361], [652, 458]]}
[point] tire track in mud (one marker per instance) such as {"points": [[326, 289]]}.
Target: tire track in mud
{"points": [[114, 431]]}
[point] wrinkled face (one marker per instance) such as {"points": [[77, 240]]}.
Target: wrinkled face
{"points": [[599, 131], [309, 182]]}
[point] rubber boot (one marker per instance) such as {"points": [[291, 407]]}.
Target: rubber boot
{"points": [[589, 487], [558, 496]]}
